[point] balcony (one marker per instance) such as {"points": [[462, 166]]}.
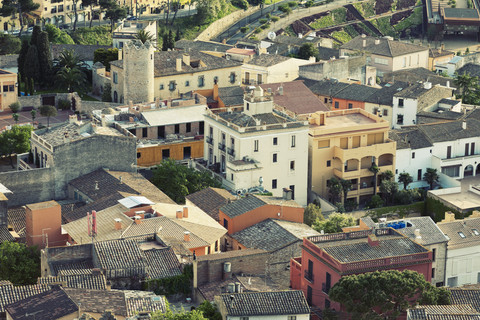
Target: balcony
{"points": [[249, 82], [375, 150], [221, 146], [231, 151], [308, 276], [209, 140]]}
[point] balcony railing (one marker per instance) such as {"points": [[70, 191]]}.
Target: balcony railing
{"points": [[231, 151], [221, 146], [209, 140], [309, 276], [325, 288], [250, 82]]}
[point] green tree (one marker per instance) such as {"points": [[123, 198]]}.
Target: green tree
{"points": [[209, 310], [144, 36], [14, 107], [334, 189], [178, 181], [15, 117], [9, 44], [15, 141], [312, 213], [183, 315], [107, 92], [431, 176], [105, 56], [23, 8], [385, 294], [69, 59], [48, 111], [22, 57], [55, 35], [405, 178], [113, 12], [35, 34], [334, 223], [386, 175], [346, 186], [307, 50], [90, 3], [33, 113], [285, 8], [19, 264], [32, 65], [44, 58], [375, 202], [466, 85], [375, 169], [388, 188], [72, 79]]}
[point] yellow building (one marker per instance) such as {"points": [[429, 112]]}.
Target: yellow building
{"points": [[344, 144], [8, 89]]}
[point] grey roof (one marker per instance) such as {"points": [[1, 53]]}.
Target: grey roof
{"points": [[410, 138], [16, 218], [76, 267], [425, 117], [99, 205], [449, 131], [272, 234], [162, 263], [119, 254], [231, 96], [10, 294], [242, 206], [244, 120], [326, 53], [355, 92], [384, 96], [53, 304], [324, 87], [5, 235], [443, 312], [412, 92], [210, 200], [465, 296], [388, 48], [198, 45], [450, 102], [97, 301], [361, 251], [460, 13], [286, 39], [429, 231], [470, 68], [267, 60], [85, 281], [415, 75], [265, 303], [466, 227], [138, 301]]}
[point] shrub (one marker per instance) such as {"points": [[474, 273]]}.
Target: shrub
{"points": [[263, 20], [15, 107], [55, 35], [9, 44], [91, 36], [292, 4], [376, 202], [265, 26], [275, 18], [64, 104], [258, 30], [244, 29], [242, 4]]}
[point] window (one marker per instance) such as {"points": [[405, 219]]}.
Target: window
{"points": [[161, 87], [400, 119], [165, 154], [472, 148], [274, 184], [309, 275], [201, 81], [232, 142], [75, 195], [475, 232], [434, 253], [216, 245], [385, 112], [225, 223], [139, 155], [248, 106], [275, 141], [172, 85], [293, 142], [467, 148], [350, 106], [449, 152], [187, 152], [201, 128], [215, 79], [328, 282], [292, 165], [244, 318], [255, 146], [231, 176], [452, 282], [462, 235], [451, 171], [433, 273], [323, 144], [336, 104], [419, 174], [5, 88], [232, 77], [309, 295], [187, 83], [188, 127], [115, 77], [60, 8], [413, 155], [329, 163], [400, 102], [177, 128], [292, 318], [274, 158], [292, 187], [144, 132]]}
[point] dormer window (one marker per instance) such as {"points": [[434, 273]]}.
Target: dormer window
{"points": [[475, 232], [461, 235]]}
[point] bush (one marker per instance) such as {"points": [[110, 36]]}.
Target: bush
{"points": [[375, 202], [15, 107], [91, 36], [242, 4], [275, 18], [292, 4], [9, 44], [64, 104], [265, 26], [263, 20], [58, 36], [258, 30], [285, 8], [244, 29]]}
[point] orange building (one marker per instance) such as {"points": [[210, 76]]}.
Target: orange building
{"points": [[253, 209], [352, 97], [44, 225]]}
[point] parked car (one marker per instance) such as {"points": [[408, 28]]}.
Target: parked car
{"points": [[131, 18]]}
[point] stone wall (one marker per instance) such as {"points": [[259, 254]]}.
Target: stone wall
{"points": [[28, 186], [37, 100], [88, 106], [8, 61], [221, 25], [279, 261]]}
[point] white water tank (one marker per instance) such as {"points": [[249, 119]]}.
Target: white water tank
{"points": [[227, 267]]}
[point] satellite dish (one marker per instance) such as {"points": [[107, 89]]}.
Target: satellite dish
{"points": [[271, 35]]}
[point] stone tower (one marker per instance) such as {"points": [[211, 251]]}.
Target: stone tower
{"points": [[138, 68]]}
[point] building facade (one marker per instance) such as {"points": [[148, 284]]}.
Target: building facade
{"points": [[258, 148], [8, 89], [344, 144]]}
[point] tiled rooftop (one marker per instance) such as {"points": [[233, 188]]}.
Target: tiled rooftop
{"points": [[80, 281], [210, 200], [162, 263], [72, 268], [10, 294], [385, 47], [462, 233], [429, 231], [97, 301], [112, 255]]}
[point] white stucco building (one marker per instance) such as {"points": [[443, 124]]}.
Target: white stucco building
{"points": [[258, 147], [450, 147], [463, 249]]}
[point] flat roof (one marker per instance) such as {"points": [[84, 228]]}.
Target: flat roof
{"points": [[464, 200], [175, 115], [345, 121], [460, 13]]}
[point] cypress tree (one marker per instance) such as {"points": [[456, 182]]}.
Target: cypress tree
{"points": [[27, 86], [19, 81], [34, 39], [32, 66], [171, 40], [22, 56], [32, 86], [165, 42], [44, 58]]}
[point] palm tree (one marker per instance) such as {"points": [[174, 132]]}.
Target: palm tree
{"points": [[335, 189], [144, 36], [72, 79], [431, 176], [405, 178], [387, 175], [465, 83], [346, 186], [375, 169], [68, 58]]}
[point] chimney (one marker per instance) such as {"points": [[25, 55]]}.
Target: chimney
{"points": [[96, 185], [179, 214], [448, 84], [227, 270], [373, 240], [118, 223], [103, 121], [449, 217], [185, 212], [137, 219], [96, 272], [121, 179], [280, 90], [418, 236], [186, 236], [109, 285], [179, 64], [186, 59], [377, 41], [364, 43], [224, 41], [464, 124], [287, 194], [364, 35], [72, 118], [215, 91]]}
